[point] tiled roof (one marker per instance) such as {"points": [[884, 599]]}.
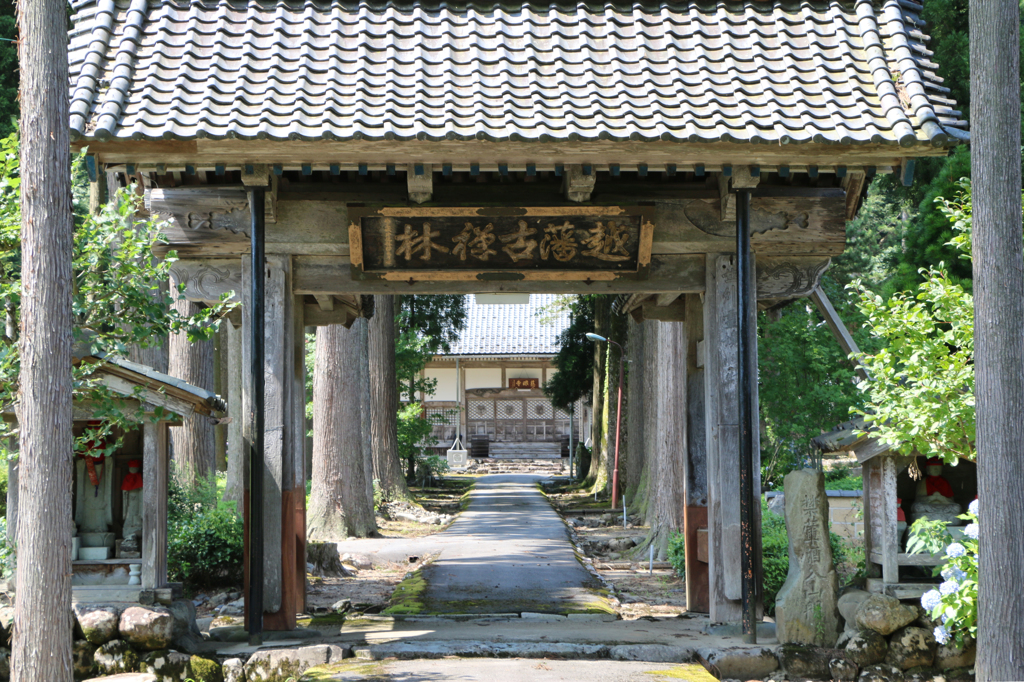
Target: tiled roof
{"points": [[778, 72], [510, 329]]}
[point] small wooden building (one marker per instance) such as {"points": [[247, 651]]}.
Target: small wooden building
{"points": [[889, 493], [490, 385], [104, 487]]}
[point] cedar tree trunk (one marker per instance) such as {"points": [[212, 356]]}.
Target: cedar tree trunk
{"points": [[361, 327], [42, 617], [192, 443], [384, 401], [998, 334], [338, 506]]}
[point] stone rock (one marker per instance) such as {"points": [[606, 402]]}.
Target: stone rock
{"points": [[777, 505], [168, 666], [97, 623], [206, 670], [745, 664], [116, 656], [936, 508], [361, 561], [952, 655], [148, 627], [233, 608], [849, 603], [277, 665], [842, 670], [805, 607], [234, 670], [218, 599], [82, 664], [880, 673], [803, 662], [959, 675], [341, 606], [867, 647], [911, 647], [654, 653], [923, 674], [187, 635], [884, 614], [126, 677]]}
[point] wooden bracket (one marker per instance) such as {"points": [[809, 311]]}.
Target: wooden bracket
{"points": [[853, 183], [666, 299], [256, 175], [325, 301], [728, 209], [577, 184], [745, 177], [420, 177], [907, 172]]}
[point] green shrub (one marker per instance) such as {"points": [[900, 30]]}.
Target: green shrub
{"points": [[204, 542], [677, 553], [845, 483], [775, 554]]}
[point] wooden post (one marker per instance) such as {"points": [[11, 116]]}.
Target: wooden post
{"points": [[283, 508], [890, 541], [695, 480], [722, 424], [154, 504], [235, 452]]}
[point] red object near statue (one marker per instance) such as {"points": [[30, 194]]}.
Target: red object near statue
{"points": [[133, 481]]}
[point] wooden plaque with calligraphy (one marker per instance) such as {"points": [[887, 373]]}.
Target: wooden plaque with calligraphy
{"points": [[535, 243], [523, 383]]}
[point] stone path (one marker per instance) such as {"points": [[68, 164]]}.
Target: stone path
{"points": [[509, 552], [519, 670]]}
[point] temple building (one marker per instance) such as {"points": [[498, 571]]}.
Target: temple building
{"points": [[490, 386]]}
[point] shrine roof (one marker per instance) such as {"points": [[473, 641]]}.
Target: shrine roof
{"points": [[770, 72], [511, 329]]}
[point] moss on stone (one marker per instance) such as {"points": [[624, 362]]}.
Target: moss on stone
{"points": [[326, 673], [206, 670], [692, 672], [328, 620], [407, 597]]}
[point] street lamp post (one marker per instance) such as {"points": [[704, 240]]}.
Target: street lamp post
{"points": [[618, 417]]}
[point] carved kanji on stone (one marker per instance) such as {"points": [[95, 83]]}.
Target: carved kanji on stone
{"points": [[520, 247], [422, 244], [606, 242], [476, 241], [559, 241]]}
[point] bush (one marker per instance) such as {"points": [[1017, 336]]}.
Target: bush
{"points": [[204, 542], [677, 553], [775, 554], [955, 603]]}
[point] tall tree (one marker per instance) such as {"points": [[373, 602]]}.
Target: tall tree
{"points": [[42, 616], [194, 449], [999, 334], [338, 506], [384, 401], [362, 328]]}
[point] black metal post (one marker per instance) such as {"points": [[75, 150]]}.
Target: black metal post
{"points": [[745, 373], [257, 198]]}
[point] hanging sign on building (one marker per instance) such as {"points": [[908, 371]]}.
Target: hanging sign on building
{"points": [[523, 383], [465, 243]]}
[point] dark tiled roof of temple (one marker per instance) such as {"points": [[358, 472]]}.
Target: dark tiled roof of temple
{"points": [[511, 329], [748, 71]]}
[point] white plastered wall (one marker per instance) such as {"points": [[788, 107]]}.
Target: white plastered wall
{"points": [[489, 377], [447, 388]]}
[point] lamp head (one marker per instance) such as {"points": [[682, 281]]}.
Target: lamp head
{"points": [[594, 337]]}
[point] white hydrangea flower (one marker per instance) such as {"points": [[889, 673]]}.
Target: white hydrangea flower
{"points": [[947, 588], [931, 599], [971, 531], [941, 634], [973, 507], [955, 550]]}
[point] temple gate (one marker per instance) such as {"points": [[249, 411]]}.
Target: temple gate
{"points": [[305, 155]]}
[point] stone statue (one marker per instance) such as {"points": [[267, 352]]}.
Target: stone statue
{"points": [[131, 496], [93, 512], [935, 497]]}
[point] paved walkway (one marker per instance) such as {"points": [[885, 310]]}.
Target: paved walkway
{"points": [[519, 670], [509, 552]]}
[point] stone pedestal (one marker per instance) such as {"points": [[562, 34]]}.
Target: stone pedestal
{"points": [[806, 609]]}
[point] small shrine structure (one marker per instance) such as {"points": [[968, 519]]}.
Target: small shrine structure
{"points": [[706, 156], [120, 499], [893, 499]]}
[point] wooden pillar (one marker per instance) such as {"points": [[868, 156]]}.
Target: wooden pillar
{"points": [[722, 433], [695, 480], [284, 443], [155, 468], [235, 452]]}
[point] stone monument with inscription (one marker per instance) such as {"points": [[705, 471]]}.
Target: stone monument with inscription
{"points": [[806, 610]]}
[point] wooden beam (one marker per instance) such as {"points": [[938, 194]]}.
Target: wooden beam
{"points": [[853, 183], [124, 387], [420, 179], [650, 310], [839, 330], [315, 316], [325, 302], [579, 184], [667, 299]]}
